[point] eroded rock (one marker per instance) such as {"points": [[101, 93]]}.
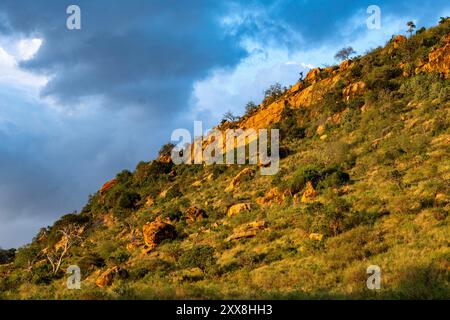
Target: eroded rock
{"points": [[157, 231]]}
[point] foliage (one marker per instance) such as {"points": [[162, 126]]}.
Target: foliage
{"points": [[201, 256]]}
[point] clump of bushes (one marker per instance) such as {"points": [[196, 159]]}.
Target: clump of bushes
{"points": [[274, 92], [201, 256], [7, 256], [320, 178]]}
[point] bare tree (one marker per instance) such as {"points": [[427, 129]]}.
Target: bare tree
{"points": [[344, 53], [411, 27], [229, 116], [70, 237]]}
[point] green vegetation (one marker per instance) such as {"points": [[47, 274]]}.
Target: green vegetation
{"points": [[377, 160]]}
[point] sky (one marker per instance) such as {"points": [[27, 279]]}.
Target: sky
{"points": [[78, 106]]}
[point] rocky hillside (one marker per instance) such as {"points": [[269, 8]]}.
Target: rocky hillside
{"points": [[364, 180]]}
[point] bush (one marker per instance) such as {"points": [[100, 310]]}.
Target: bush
{"points": [[333, 177], [302, 176], [201, 256], [128, 200], [327, 220], [90, 262], [42, 274], [250, 108], [274, 92], [7, 256], [119, 256]]}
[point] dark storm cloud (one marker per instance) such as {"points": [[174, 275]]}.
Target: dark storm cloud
{"points": [[143, 52]]}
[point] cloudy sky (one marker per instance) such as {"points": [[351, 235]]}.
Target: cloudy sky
{"points": [[77, 106]]}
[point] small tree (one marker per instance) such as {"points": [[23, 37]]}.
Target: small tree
{"points": [[301, 76], [411, 26], [250, 107], [344, 54], [272, 93], [229, 116]]}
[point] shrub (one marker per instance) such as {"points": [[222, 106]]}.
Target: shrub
{"points": [[119, 256], [326, 219], [302, 176], [42, 274], [166, 150], [128, 200], [250, 108], [90, 261], [201, 256], [7, 256], [274, 92], [123, 177], [333, 177]]}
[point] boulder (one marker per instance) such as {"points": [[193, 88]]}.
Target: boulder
{"points": [[149, 202], [166, 158], [438, 60], [344, 65], [194, 214], [310, 193], [353, 89], [107, 277], [399, 40], [108, 185], [313, 76], [155, 232], [238, 208], [244, 175], [274, 196], [321, 129], [248, 230], [316, 237]]}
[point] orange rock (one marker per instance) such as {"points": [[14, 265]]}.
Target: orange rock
{"points": [[316, 236], [165, 158], [238, 208], [438, 60], [244, 175], [399, 40], [111, 183], [310, 193], [344, 65], [107, 277], [274, 196], [353, 89], [313, 76], [194, 214], [157, 231]]}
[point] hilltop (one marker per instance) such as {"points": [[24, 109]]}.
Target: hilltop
{"points": [[364, 180]]}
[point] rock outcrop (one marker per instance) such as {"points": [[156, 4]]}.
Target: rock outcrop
{"points": [[310, 193], [155, 232], [247, 231], [107, 277], [438, 60], [194, 214], [274, 196], [111, 183], [238, 208], [244, 175]]}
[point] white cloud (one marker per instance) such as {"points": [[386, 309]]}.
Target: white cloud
{"points": [[269, 62], [28, 48], [11, 74]]}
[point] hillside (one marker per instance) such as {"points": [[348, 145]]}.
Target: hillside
{"points": [[364, 180]]}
